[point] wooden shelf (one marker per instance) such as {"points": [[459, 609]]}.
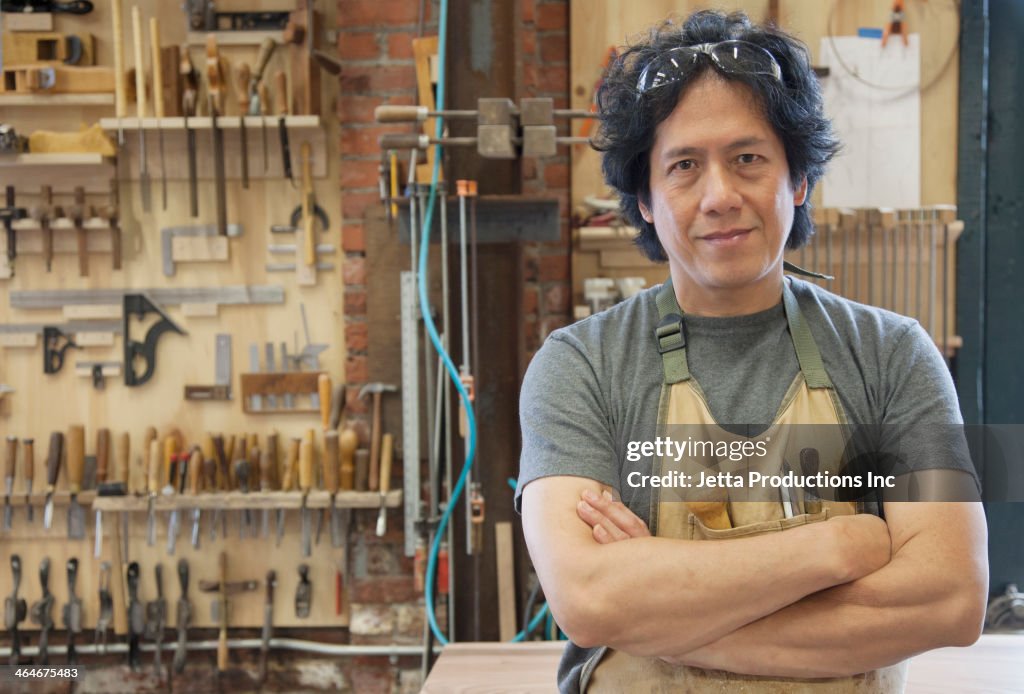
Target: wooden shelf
{"points": [[57, 99], [300, 129], [253, 500], [63, 172], [59, 159], [234, 38], [60, 498], [228, 122]]}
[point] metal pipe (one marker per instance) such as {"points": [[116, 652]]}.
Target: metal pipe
{"points": [[284, 644]]}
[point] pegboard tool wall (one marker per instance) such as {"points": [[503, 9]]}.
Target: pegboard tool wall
{"points": [[45, 403]]}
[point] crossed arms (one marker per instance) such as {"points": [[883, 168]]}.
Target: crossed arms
{"points": [[823, 600]]}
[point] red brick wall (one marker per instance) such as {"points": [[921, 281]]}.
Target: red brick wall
{"points": [[374, 46], [544, 71]]}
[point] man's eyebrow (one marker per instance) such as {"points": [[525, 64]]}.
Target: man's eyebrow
{"points": [[685, 151]]}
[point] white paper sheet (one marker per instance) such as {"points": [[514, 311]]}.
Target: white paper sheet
{"points": [[880, 163]]}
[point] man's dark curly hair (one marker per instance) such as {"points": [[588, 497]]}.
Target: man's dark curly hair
{"points": [[794, 109]]}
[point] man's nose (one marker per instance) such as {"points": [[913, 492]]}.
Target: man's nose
{"points": [[720, 194]]}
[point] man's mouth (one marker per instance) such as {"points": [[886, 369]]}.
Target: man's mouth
{"points": [[726, 236]]}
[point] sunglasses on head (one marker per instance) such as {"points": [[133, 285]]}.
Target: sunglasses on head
{"points": [[733, 56]]}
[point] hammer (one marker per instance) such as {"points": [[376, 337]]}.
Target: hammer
{"points": [[376, 389]]}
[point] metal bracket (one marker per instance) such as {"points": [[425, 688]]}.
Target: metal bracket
{"points": [[139, 305], [53, 350]]}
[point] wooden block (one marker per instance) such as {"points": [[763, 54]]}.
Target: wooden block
{"points": [[199, 249], [109, 370], [305, 275], [51, 47], [298, 383], [28, 21], [92, 312], [92, 339], [172, 88], [18, 339], [204, 310], [506, 581], [67, 80]]}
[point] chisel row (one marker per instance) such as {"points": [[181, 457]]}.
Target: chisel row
{"points": [[147, 620], [220, 475]]}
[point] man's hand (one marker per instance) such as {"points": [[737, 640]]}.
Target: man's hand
{"points": [[609, 520]]}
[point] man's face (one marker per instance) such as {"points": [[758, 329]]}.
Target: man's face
{"points": [[721, 197]]}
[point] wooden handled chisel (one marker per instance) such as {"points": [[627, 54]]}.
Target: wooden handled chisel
{"points": [[282, 129], [102, 463], [305, 485], [28, 467], [53, 460], [10, 461], [287, 481], [386, 451]]}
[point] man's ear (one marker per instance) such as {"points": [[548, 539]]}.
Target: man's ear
{"points": [[645, 211], [800, 193]]}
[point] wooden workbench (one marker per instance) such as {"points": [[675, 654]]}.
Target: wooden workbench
{"points": [[994, 664]]}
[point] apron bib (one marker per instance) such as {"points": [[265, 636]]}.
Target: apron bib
{"points": [[725, 513]]}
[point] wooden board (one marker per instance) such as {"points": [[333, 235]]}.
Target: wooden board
{"points": [[505, 558], [990, 665]]}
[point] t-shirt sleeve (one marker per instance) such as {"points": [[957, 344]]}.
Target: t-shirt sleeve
{"points": [[564, 418], [921, 419]]}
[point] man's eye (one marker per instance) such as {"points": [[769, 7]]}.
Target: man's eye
{"points": [[685, 164], [749, 158]]}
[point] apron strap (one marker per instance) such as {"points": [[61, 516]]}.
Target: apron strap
{"points": [[806, 349], [670, 335], [797, 270], [671, 338]]}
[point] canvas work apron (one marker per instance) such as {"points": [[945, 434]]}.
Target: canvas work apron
{"points": [[723, 514]]}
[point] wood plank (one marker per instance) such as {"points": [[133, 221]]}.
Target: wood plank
{"points": [[28, 21], [19, 339], [506, 580], [91, 339], [199, 249], [207, 310], [990, 665], [86, 312]]}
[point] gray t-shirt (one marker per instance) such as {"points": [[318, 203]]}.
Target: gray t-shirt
{"points": [[595, 385]]}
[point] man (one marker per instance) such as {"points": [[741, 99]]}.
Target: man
{"points": [[713, 134]]}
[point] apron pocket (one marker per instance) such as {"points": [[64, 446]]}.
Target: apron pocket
{"points": [[698, 531]]}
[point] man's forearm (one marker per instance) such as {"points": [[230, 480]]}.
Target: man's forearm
{"points": [[652, 596], [921, 600]]}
